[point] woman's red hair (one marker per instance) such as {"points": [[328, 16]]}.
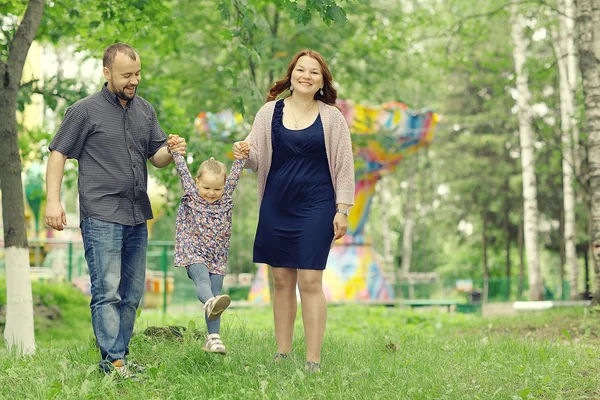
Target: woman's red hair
{"points": [[329, 93]]}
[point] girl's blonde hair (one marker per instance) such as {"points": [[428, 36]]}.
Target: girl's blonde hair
{"points": [[213, 166]]}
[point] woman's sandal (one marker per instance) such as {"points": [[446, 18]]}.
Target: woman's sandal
{"points": [[313, 367], [214, 344], [280, 356]]}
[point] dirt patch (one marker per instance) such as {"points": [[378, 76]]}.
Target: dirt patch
{"points": [[555, 326], [45, 313]]}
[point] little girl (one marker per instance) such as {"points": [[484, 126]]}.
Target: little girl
{"points": [[203, 230]]}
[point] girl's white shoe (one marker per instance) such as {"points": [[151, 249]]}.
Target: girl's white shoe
{"points": [[215, 306], [214, 344]]}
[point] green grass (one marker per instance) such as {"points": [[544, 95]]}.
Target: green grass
{"points": [[369, 353], [62, 314]]}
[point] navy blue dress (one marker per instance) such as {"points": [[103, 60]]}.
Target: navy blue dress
{"points": [[295, 223]]}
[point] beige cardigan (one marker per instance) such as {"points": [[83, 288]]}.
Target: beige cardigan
{"points": [[338, 147]]}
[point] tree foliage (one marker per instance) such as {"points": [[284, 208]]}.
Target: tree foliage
{"points": [[211, 56]]}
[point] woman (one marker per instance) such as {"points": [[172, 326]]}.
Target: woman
{"points": [[301, 150]]}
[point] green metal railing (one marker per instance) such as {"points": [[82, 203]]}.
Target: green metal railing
{"points": [[46, 254], [498, 289], [70, 254]]}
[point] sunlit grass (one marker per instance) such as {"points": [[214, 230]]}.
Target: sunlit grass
{"points": [[369, 353]]}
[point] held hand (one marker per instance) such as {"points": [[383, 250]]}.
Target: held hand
{"points": [[55, 216], [173, 140], [241, 150], [177, 144], [340, 226]]}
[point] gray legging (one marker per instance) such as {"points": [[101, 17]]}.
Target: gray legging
{"points": [[207, 285]]}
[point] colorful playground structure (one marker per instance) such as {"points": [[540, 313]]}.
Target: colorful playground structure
{"points": [[382, 137]]}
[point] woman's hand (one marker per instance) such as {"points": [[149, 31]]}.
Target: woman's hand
{"points": [[340, 225], [241, 150]]}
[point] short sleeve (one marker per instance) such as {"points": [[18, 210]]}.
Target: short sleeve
{"points": [[73, 132], [158, 138]]}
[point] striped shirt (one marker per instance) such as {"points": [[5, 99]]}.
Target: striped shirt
{"points": [[203, 229], [111, 145]]}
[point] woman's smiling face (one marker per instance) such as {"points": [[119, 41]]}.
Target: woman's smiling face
{"points": [[307, 77]]}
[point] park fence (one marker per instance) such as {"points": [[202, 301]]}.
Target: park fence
{"points": [[167, 286]]}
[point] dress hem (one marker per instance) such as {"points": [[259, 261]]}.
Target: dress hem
{"points": [[289, 266]]}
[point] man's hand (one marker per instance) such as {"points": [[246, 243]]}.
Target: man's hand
{"points": [[177, 144], [241, 150], [55, 216]]}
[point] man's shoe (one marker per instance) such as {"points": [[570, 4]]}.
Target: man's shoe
{"points": [[121, 370], [135, 367]]}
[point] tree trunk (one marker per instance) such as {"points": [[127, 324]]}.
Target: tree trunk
{"points": [[388, 251], [486, 269], [409, 223], [521, 260], [19, 331], [564, 49], [561, 243], [568, 30], [596, 25], [536, 286], [588, 63], [508, 240]]}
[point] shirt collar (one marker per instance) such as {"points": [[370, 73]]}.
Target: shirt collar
{"points": [[111, 97]]}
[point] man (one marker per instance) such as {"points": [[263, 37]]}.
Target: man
{"points": [[111, 134]]}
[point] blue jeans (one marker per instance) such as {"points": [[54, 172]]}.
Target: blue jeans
{"points": [[207, 285], [116, 258]]}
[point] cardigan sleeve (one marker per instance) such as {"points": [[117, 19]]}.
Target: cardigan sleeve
{"points": [[344, 160], [255, 138]]}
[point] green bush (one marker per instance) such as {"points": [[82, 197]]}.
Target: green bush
{"points": [[238, 292], [61, 312]]}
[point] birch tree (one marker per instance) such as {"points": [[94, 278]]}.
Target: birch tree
{"points": [[19, 331], [385, 201], [564, 48], [536, 287], [22, 22], [409, 221], [588, 63]]}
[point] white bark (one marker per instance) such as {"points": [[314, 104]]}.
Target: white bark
{"points": [[18, 332], [564, 49], [596, 26], [588, 62], [384, 202], [568, 30], [409, 223], [536, 287]]}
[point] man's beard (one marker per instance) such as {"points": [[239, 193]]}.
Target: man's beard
{"points": [[121, 93], [123, 96]]}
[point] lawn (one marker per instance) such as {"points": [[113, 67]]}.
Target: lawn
{"points": [[369, 353]]}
